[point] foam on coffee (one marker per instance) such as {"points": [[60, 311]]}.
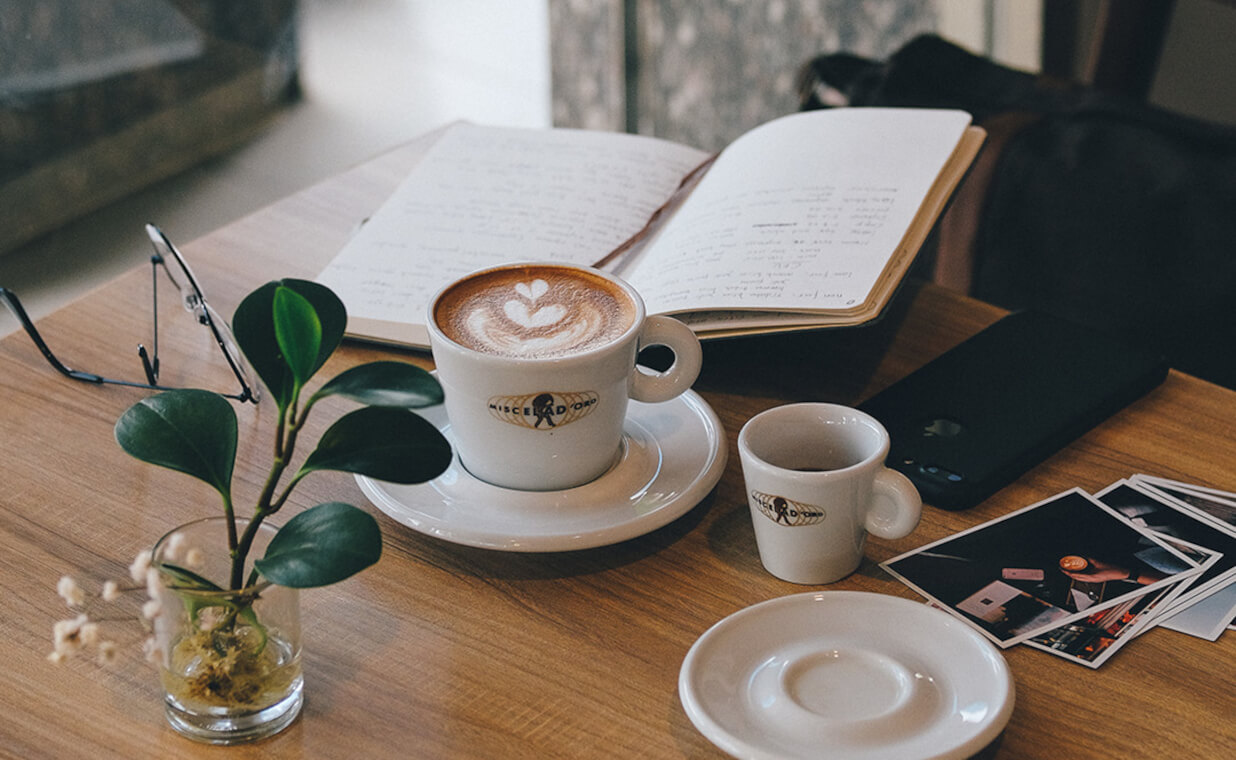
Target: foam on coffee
{"points": [[534, 311]]}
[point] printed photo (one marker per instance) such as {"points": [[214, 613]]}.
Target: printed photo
{"points": [[1207, 618], [1220, 505], [1208, 608], [1042, 567], [1092, 640], [1170, 519]]}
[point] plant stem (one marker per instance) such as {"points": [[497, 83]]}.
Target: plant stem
{"points": [[285, 445], [286, 492], [236, 583], [230, 512], [279, 432]]}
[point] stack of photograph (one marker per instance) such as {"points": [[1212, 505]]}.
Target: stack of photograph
{"points": [[1080, 575]]}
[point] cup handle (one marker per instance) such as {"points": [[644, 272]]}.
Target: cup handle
{"points": [[665, 331], [896, 506]]}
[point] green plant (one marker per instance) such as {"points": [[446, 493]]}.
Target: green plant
{"points": [[287, 329]]}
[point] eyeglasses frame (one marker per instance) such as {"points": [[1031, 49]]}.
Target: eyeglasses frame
{"points": [[194, 301]]}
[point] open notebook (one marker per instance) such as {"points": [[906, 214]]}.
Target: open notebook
{"points": [[810, 220]]}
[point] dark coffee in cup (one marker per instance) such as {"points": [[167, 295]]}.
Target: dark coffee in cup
{"points": [[534, 312]]}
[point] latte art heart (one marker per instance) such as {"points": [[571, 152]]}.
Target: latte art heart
{"points": [[534, 312], [549, 331], [534, 291], [517, 312]]}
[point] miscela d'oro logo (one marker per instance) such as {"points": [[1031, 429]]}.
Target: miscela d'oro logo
{"points": [[545, 410], [782, 510]]}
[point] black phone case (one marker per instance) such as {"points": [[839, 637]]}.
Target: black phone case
{"points": [[975, 418]]}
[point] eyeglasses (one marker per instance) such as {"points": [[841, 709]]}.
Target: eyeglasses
{"points": [[167, 257]]}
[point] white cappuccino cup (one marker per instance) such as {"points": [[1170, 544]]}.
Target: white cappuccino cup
{"points": [[537, 362]]}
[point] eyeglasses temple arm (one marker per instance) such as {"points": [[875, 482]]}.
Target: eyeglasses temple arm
{"points": [[10, 300], [151, 365]]}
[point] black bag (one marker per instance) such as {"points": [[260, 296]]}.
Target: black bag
{"points": [[1095, 207]]}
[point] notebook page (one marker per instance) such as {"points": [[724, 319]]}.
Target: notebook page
{"points": [[488, 195], [803, 212]]}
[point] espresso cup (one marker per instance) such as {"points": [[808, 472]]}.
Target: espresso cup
{"points": [[817, 485], [537, 364]]}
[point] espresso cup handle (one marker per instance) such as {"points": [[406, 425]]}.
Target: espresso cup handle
{"points": [[665, 331], [896, 506]]}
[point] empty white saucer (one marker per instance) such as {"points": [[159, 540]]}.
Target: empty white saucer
{"points": [[673, 454], [845, 675]]}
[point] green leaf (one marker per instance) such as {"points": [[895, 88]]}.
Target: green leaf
{"points": [[254, 326], [321, 546], [250, 616], [385, 383], [187, 579], [192, 431], [297, 331], [389, 444]]}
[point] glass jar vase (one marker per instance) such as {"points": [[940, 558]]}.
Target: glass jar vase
{"points": [[228, 658]]}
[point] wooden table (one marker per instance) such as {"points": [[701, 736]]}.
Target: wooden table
{"points": [[447, 651]]}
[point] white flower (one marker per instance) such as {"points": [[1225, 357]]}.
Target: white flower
{"points": [[107, 652], [151, 609], [137, 570], [154, 584], [63, 629], [70, 592], [89, 634], [175, 545], [152, 650], [195, 557], [66, 634], [57, 657], [111, 591]]}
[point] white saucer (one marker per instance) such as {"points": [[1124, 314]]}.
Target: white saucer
{"points": [[845, 675], [673, 454]]}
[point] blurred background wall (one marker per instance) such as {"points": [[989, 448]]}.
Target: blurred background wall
{"points": [[705, 71]]}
